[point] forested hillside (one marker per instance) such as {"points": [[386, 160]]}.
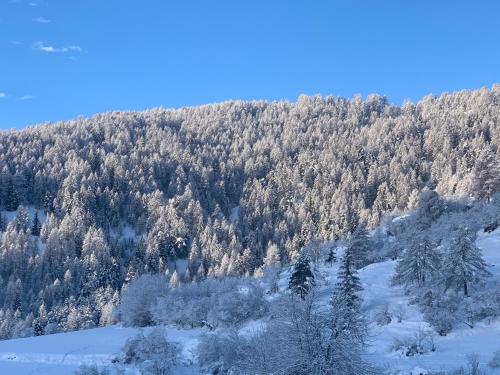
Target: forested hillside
{"points": [[217, 190]]}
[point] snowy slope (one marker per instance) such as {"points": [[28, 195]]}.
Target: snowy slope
{"points": [[451, 350], [62, 353]]}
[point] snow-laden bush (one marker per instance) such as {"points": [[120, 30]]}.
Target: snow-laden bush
{"points": [[298, 340], [383, 316], [441, 319], [91, 370], [472, 366], [139, 299], [421, 343], [152, 353], [442, 312], [212, 303], [399, 312], [220, 352], [494, 362], [486, 303], [446, 312]]}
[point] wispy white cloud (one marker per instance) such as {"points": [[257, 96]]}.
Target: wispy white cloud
{"points": [[43, 47], [32, 3], [27, 97], [41, 20], [3, 95]]}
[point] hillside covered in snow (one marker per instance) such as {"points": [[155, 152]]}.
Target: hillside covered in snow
{"points": [[400, 339]]}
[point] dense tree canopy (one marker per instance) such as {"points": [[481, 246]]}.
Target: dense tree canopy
{"points": [[213, 186]]}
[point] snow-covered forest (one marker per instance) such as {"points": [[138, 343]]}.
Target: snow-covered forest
{"points": [[252, 224]]}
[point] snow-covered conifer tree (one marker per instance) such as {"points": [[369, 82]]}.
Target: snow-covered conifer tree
{"points": [[22, 219], [430, 206], [36, 225], [174, 280], [463, 264], [302, 278], [419, 263], [272, 258], [331, 258], [359, 246], [348, 281], [486, 175]]}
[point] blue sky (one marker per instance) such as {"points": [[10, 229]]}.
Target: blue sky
{"points": [[60, 59]]}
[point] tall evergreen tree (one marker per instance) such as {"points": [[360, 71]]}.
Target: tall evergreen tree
{"points": [[419, 264], [22, 220], [3, 222], [359, 246], [463, 264], [272, 258], [486, 175], [11, 196], [36, 226], [331, 258], [429, 207], [302, 279], [348, 281], [347, 318]]}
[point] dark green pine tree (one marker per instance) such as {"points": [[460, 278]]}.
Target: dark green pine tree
{"points": [[11, 197], [302, 279], [347, 318], [3, 222], [331, 257], [360, 245], [36, 226], [348, 281]]}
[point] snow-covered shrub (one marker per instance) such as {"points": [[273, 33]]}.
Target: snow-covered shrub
{"points": [[270, 276], [383, 315], [442, 312], [421, 343], [485, 304], [139, 299], [494, 362], [472, 367], [152, 353], [212, 303], [430, 207], [91, 370], [220, 352], [446, 312], [400, 225], [441, 319], [297, 341], [399, 312], [233, 306]]}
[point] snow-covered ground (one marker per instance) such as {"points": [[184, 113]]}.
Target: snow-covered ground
{"points": [[63, 353], [451, 350]]}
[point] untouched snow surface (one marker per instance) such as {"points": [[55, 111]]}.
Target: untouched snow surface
{"points": [[63, 353]]}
